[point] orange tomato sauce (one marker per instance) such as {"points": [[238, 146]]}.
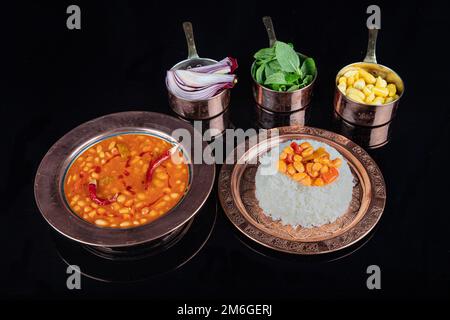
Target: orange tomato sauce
{"points": [[119, 165]]}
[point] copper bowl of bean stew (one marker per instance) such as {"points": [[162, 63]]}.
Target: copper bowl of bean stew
{"points": [[122, 180]]}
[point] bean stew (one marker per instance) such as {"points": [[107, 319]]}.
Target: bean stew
{"points": [[126, 181]]}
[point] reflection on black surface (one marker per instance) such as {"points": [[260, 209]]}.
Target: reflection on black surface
{"points": [[141, 264], [266, 119], [278, 256], [141, 251], [366, 137], [213, 127]]}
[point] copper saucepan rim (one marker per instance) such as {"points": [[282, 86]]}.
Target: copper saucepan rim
{"points": [[365, 104]]}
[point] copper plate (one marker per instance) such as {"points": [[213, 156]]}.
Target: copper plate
{"points": [[49, 180], [237, 196]]}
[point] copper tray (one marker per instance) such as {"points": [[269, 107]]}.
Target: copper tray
{"points": [[237, 196], [49, 180]]}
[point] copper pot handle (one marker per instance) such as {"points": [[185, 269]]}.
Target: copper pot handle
{"points": [[371, 46], [189, 33], [270, 30]]}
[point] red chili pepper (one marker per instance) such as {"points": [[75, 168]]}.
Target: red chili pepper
{"points": [[114, 156], [130, 190], [153, 165], [143, 153], [153, 202], [289, 159], [296, 147], [92, 188], [127, 164]]}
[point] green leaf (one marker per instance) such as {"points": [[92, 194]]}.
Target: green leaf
{"points": [[308, 67], [301, 58], [123, 150], [265, 54], [268, 70], [259, 74], [276, 78], [273, 86], [291, 78], [275, 65], [271, 67], [278, 87], [306, 80], [293, 88], [287, 57]]}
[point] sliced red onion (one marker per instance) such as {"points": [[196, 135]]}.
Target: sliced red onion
{"points": [[199, 80], [227, 65], [204, 82], [188, 86], [199, 93]]}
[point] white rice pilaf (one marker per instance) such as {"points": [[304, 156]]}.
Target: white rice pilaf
{"points": [[292, 203]]}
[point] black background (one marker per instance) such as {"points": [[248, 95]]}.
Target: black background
{"points": [[55, 79]]}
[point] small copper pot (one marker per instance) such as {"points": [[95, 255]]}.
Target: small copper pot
{"points": [[200, 109], [197, 109], [366, 114], [277, 101]]}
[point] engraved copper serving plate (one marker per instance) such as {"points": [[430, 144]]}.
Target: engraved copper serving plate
{"points": [[237, 196], [49, 181]]}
